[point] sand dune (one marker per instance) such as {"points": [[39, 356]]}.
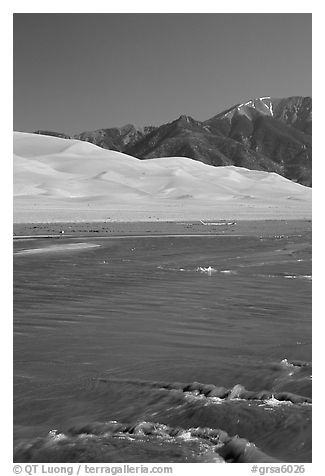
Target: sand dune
{"points": [[56, 248], [69, 180]]}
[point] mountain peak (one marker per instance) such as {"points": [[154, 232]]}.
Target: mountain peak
{"points": [[183, 119], [263, 105]]}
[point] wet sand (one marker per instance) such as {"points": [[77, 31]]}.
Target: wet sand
{"points": [[261, 228]]}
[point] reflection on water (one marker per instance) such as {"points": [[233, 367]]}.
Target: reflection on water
{"points": [[96, 330]]}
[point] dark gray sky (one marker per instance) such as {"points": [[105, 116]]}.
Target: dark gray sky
{"points": [[78, 72]]}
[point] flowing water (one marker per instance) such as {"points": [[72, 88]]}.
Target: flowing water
{"points": [[158, 348]]}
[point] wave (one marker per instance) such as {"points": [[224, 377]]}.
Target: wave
{"points": [[295, 363], [210, 391], [199, 269], [208, 270], [307, 277], [96, 442], [177, 422]]}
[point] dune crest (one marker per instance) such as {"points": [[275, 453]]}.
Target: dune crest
{"points": [[69, 180]]}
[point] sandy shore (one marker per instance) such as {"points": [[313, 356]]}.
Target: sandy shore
{"points": [[249, 228]]}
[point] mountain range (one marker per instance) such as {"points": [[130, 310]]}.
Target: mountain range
{"points": [[268, 134]]}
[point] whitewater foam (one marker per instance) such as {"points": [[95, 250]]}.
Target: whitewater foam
{"points": [[204, 392], [76, 440], [208, 270]]}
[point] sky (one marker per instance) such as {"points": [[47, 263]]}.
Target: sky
{"points": [[80, 72]]}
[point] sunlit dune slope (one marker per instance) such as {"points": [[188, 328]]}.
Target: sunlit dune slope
{"points": [[64, 180]]}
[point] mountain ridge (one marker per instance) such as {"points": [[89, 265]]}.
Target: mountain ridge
{"points": [[270, 134]]}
